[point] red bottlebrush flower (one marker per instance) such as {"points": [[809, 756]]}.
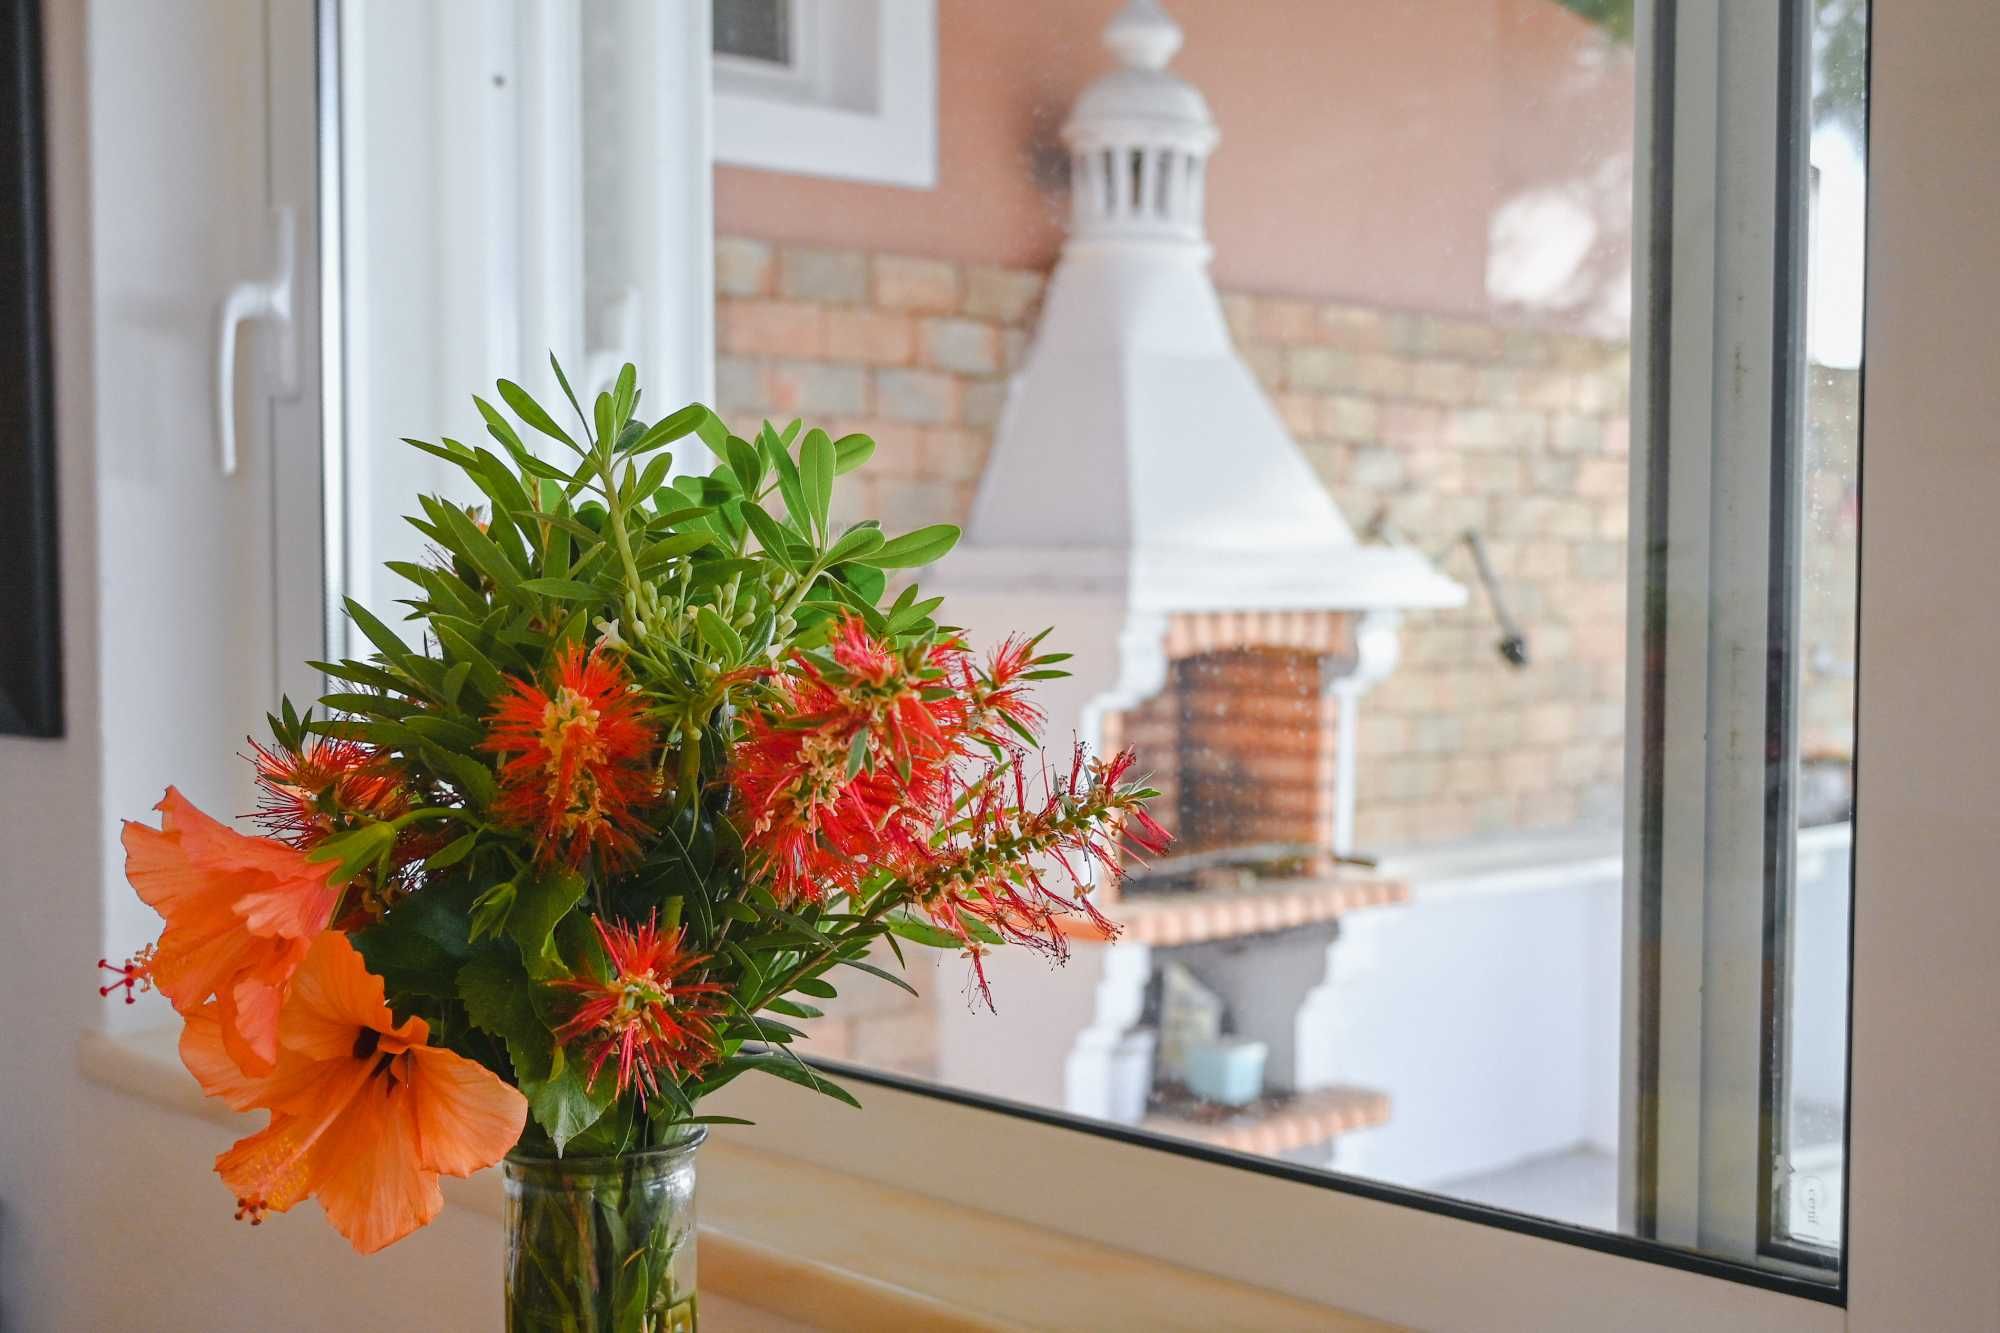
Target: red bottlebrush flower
{"points": [[579, 766], [646, 1013], [836, 778], [307, 794], [991, 864], [998, 696]]}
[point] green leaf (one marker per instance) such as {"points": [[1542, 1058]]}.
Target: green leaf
{"points": [[499, 998], [850, 452], [790, 489], [717, 634], [816, 475], [855, 544], [452, 852], [790, 1069], [743, 461], [919, 931], [769, 535], [532, 412], [915, 548], [540, 903], [566, 1103], [416, 949], [563, 590], [669, 428], [354, 850], [818, 989], [881, 972]]}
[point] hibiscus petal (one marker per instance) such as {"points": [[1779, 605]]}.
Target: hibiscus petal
{"points": [[205, 1056], [466, 1118], [334, 996], [298, 905], [367, 1171]]}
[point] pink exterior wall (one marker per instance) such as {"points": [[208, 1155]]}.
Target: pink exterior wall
{"points": [[1365, 148]]}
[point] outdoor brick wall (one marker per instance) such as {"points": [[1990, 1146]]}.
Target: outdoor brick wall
{"points": [[1434, 426]]}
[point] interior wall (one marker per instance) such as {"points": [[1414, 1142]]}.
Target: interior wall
{"points": [[1404, 143], [49, 789]]}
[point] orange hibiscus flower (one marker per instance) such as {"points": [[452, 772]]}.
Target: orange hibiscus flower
{"points": [[365, 1116], [240, 912]]}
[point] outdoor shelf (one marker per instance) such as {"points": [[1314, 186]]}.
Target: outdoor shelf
{"points": [[1194, 915], [1274, 1124]]}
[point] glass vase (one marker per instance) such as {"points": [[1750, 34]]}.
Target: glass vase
{"points": [[602, 1244]]}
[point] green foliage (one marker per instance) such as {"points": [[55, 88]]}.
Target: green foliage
{"points": [[702, 580]]}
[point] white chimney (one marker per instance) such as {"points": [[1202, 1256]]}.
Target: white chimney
{"points": [[1138, 473], [1143, 499]]}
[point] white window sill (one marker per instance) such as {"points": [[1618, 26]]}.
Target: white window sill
{"points": [[819, 1248]]}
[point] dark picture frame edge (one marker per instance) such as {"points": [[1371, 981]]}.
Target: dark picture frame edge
{"points": [[30, 625]]}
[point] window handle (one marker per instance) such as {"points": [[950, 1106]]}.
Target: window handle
{"points": [[271, 300]]}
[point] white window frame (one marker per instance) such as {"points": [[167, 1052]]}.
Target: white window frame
{"points": [[791, 121], [1922, 1168]]}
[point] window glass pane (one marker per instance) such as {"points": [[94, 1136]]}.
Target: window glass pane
{"points": [[1371, 491], [754, 29], [1278, 359], [1815, 1103]]}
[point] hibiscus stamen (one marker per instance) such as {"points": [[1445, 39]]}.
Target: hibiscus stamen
{"points": [[135, 974]]}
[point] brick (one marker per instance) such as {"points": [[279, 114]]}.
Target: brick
{"points": [[1489, 428], [1550, 724], [899, 448], [1525, 347], [927, 286], [968, 345], [742, 267], [1014, 345], [1347, 418], [1542, 560], [1494, 473], [980, 402], [1239, 312], [1618, 436], [770, 328], [1465, 341], [739, 383], [1598, 560], [1284, 321], [815, 390], [811, 274], [1441, 382], [1437, 735], [1009, 295], [1602, 393], [1603, 477], [872, 337], [1576, 435], [1550, 474], [1413, 425], [923, 396], [1267, 363], [1377, 469], [1317, 367], [1353, 328], [1299, 412], [903, 505], [952, 453], [1527, 771]]}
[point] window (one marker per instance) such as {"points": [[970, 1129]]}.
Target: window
{"points": [[841, 88], [1431, 615], [759, 30]]}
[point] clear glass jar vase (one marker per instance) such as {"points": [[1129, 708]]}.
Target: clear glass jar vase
{"points": [[602, 1244]]}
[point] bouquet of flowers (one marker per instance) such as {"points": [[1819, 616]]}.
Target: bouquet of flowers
{"points": [[658, 762]]}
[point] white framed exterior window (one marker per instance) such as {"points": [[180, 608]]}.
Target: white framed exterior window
{"points": [[841, 88], [1717, 1236]]}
